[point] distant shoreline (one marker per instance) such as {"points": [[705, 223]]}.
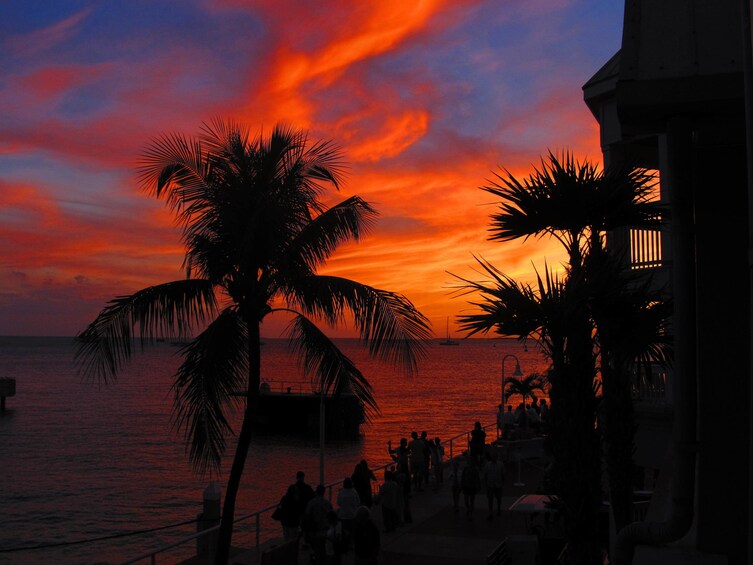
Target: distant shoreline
{"points": [[264, 338]]}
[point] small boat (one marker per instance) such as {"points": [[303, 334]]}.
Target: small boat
{"points": [[449, 340]]}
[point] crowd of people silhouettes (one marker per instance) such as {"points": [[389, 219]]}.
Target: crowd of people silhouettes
{"points": [[526, 418], [306, 514]]}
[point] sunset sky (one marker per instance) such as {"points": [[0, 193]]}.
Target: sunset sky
{"points": [[427, 98]]}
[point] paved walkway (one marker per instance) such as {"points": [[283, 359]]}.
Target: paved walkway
{"points": [[439, 535]]}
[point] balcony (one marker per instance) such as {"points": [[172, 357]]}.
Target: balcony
{"points": [[645, 248]]}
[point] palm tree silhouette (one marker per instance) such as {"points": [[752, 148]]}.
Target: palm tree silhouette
{"points": [[575, 318], [525, 387], [255, 233]]}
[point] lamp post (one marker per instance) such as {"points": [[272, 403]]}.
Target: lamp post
{"points": [[516, 373], [321, 433]]}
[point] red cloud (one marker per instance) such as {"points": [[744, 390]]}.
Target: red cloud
{"points": [[331, 70], [52, 82]]}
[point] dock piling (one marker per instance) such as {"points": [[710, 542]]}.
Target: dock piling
{"points": [[7, 388]]}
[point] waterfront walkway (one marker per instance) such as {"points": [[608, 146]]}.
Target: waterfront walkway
{"points": [[438, 535]]}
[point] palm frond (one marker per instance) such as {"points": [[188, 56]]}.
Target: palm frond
{"points": [[544, 312], [525, 386], [346, 221], [387, 322], [166, 310], [300, 168], [506, 306], [564, 197], [214, 368], [554, 198], [175, 167], [321, 358], [324, 162], [225, 138], [631, 313], [624, 200]]}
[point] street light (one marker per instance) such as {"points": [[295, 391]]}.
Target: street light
{"points": [[321, 433], [516, 373]]}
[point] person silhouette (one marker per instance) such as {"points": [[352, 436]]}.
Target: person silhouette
{"points": [[477, 443], [437, 461], [494, 480], [470, 481], [362, 477], [366, 539]]}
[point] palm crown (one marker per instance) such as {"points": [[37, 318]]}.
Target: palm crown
{"points": [[255, 233], [597, 311], [524, 386]]}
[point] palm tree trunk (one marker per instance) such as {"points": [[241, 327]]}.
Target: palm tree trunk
{"points": [[575, 445], [619, 431], [244, 440]]}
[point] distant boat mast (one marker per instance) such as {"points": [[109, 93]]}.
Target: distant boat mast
{"points": [[448, 340]]}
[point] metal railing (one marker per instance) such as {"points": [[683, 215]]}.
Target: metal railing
{"points": [[649, 383], [452, 443], [645, 248]]}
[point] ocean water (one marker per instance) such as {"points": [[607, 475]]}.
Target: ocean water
{"points": [[81, 461]]}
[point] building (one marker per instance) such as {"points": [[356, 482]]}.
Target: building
{"points": [[676, 98]]}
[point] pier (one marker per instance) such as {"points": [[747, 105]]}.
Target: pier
{"points": [[7, 388], [293, 407], [525, 532], [440, 535]]}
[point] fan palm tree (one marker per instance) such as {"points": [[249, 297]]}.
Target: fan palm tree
{"points": [[574, 202], [255, 233], [577, 204], [551, 313]]}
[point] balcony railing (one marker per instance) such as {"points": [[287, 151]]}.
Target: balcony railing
{"points": [[649, 383], [645, 248]]}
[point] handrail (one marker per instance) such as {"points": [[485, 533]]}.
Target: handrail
{"points": [[152, 554]]}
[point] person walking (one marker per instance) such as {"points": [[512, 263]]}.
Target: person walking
{"points": [[289, 514], [366, 539], [317, 523], [333, 540], [348, 502], [457, 488], [437, 461], [389, 494], [470, 480], [303, 492], [494, 480], [426, 444], [544, 409], [508, 423]]}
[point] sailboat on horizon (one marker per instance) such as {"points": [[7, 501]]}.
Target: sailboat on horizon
{"points": [[448, 340]]}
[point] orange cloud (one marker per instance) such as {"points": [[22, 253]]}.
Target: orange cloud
{"points": [[427, 99], [365, 33], [397, 134], [316, 48]]}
